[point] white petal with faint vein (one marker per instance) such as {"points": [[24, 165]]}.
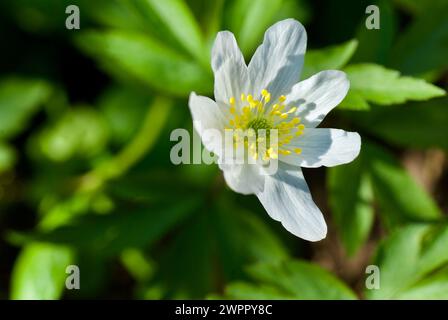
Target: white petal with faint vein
{"points": [[318, 95], [287, 199], [323, 147], [278, 61]]}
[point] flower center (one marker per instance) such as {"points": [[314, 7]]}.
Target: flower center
{"points": [[259, 124], [252, 115]]}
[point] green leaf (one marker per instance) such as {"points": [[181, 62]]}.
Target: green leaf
{"points": [[417, 125], [39, 272], [375, 45], [247, 291], [424, 45], [7, 157], [354, 101], [377, 84], [407, 261], [19, 100], [400, 198], [292, 279], [176, 15], [260, 243], [249, 20], [81, 131], [434, 287], [352, 207], [418, 7], [137, 264], [123, 125], [112, 233], [334, 57], [235, 238], [134, 56]]}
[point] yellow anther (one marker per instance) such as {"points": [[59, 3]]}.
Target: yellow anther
{"points": [[284, 152], [298, 150], [232, 101], [284, 115], [272, 154], [296, 120], [267, 97], [250, 98], [232, 110], [282, 98], [243, 97], [293, 109], [301, 127], [264, 92]]}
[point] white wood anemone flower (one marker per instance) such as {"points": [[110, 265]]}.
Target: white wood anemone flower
{"points": [[266, 95]]}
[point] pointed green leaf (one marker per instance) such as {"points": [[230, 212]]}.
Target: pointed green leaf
{"points": [[407, 260], [291, 279], [423, 46], [352, 207], [383, 86], [400, 198], [334, 57], [176, 15]]}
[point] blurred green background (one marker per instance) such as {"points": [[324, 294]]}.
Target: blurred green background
{"points": [[86, 178]]}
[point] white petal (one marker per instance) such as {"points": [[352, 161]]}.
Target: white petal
{"points": [[207, 114], [278, 61], [243, 178], [318, 95], [287, 199], [231, 80], [231, 75], [225, 48], [323, 147]]}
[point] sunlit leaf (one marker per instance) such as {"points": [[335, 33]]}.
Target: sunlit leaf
{"points": [[39, 272], [176, 15], [377, 84], [81, 131], [407, 259], [19, 100]]}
